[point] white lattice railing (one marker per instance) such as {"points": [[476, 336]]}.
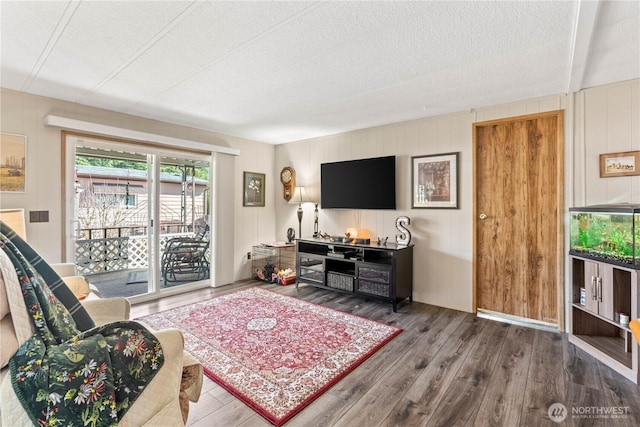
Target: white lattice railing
{"points": [[117, 253]]}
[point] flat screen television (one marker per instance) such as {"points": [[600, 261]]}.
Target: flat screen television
{"points": [[359, 184]]}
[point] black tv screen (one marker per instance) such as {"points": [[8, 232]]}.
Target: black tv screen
{"points": [[359, 184]]}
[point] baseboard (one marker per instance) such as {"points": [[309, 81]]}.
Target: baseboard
{"points": [[517, 320]]}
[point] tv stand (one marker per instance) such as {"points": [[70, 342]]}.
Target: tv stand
{"points": [[381, 272]]}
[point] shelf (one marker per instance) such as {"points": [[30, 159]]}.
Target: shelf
{"points": [[593, 325], [604, 319], [611, 346], [312, 276]]}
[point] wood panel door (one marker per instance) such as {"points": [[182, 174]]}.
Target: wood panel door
{"points": [[518, 216]]}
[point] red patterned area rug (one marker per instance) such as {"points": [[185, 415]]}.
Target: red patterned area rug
{"points": [[274, 352]]}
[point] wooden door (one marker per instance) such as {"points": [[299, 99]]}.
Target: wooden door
{"points": [[518, 231]]}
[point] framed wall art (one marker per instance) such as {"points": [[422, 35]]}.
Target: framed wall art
{"points": [[253, 189], [434, 181], [13, 162], [620, 164]]}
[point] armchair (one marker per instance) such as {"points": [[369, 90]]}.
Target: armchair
{"points": [[164, 401]]}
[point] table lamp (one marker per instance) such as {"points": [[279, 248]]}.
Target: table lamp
{"points": [[300, 196]]}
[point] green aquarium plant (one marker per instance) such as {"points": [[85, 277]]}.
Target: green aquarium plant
{"points": [[619, 241], [595, 232], [574, 232]]}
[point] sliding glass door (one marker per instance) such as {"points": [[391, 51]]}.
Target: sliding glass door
{"points": [[184, 218], [141, 217]]}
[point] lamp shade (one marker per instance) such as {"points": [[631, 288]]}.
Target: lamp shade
{"points": [[300, 196]]}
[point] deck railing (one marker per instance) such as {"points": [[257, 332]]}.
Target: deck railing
{"points": [[127, 249]]}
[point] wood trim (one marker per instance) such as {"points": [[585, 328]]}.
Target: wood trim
{"points": [[560, 221], [518, 118], [474, 225]]}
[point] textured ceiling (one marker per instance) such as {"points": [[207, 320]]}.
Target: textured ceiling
{"points": [[285, 71]]}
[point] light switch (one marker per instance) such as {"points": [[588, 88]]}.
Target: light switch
{"points": [[38, 216]]}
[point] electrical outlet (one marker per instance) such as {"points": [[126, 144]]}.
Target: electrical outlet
{"points": [[248, 255]]}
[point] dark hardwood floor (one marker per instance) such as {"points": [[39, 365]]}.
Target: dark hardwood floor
{"points": [[447, 368]]}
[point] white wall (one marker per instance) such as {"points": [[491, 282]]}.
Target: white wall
{"points": [[597, 120], [607, 120], [238, 227], [442, 237]]}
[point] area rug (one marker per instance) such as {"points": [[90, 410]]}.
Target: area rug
{"points": [[274, 352]]}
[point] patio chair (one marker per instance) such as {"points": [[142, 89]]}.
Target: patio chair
{"points": [[185, 259]]}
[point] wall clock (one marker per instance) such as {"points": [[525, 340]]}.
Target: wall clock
{"points": [[288, 179]]}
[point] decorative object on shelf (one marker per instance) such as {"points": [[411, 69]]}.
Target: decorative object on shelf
{"points": [[434, 181], [315, 221], [14, 158], [382, 241], [253, 189], [404, 238], [624, 320], [288, 180], [291, 234], [626, 163]]}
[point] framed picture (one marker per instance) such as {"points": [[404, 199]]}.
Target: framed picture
{"points": [[13, 162], [620, 164], [253, 189], [434, 181]]}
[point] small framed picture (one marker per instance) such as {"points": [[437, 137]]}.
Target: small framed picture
{"points": [[434, 181], [13, 163], [253, 189], [620, 164]]}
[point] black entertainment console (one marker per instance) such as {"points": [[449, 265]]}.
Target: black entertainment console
{"points": [[383, 272]]}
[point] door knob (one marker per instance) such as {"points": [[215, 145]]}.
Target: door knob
{"points": [[483, 216]]}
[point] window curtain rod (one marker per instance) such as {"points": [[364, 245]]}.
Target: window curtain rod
{"points": [[80, 125]]}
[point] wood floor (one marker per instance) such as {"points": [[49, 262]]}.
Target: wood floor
{"points": [[447, 368]]}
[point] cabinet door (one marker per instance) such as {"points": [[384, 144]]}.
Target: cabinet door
{"points": [[605, 299], [591, 271], [598, 279], [310, 268]]}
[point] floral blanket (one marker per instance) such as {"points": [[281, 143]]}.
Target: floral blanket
{"points": [[64, 377]]}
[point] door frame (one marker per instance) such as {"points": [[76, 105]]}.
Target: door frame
{"points": [[560, 261], [68, 179]]}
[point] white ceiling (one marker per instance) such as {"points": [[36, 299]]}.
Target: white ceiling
{"points": [[285, 71]]}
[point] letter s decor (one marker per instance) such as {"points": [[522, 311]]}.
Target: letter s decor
{"points": [[404, 238]]}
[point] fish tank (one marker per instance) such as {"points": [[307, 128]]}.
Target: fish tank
{"points": [[608, 233]]}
